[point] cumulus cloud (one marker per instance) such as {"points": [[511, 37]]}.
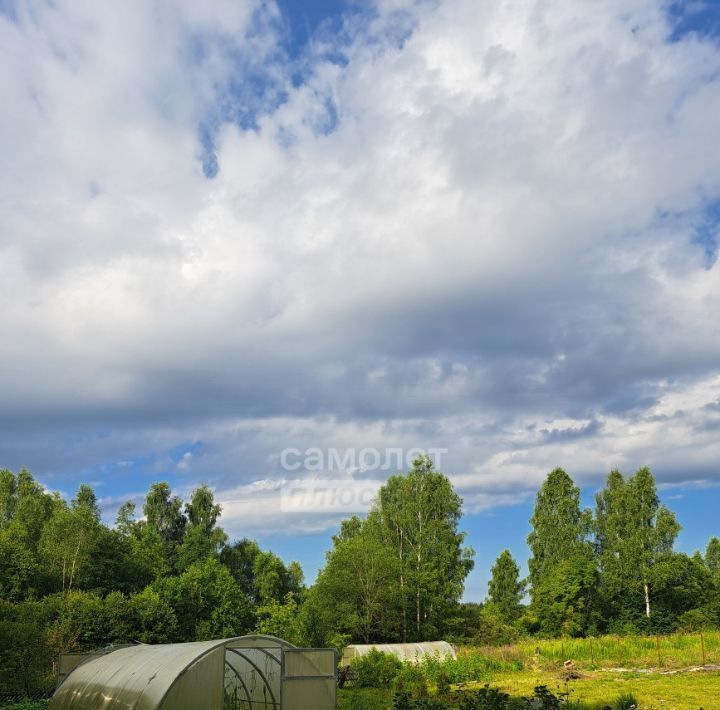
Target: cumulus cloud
{"points": [[484, 228]]}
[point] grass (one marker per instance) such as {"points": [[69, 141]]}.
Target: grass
{"points": [[648, 662], [683, 691], [653, 692], [664, 652]]}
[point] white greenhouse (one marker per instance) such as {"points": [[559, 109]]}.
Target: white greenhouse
{"points": [[410, 652]]}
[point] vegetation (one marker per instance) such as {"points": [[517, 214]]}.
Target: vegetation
{"points": [[604, 583]]}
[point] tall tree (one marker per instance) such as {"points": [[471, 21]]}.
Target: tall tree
{"points": [[163, 513], [506, 589], [712, 556], [559, 527], [8, 496], [125, 522], [358, 583], [561, 556], [635, 535], [203, 538], [163, 529], [69, 535], [419, 514]]}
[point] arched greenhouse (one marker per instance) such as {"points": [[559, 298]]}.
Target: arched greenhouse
{"points": [[243, 673], [410, 652]]}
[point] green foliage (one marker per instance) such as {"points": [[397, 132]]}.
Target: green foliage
{"points": [[154, 618], [625, 702], [712, 556], [23, 656], [562, 566], [202, 537], [412, 679], [399, 574], [505, 589], [493, 628], [281, 619], [559, 527], [206, 601], [486, 698], [635, 535], [418, 516], [376, 669]]}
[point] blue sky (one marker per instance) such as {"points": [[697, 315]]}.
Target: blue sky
{"points": [[235, 228]]}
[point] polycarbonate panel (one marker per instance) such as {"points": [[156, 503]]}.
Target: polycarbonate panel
{"points": [[300, 662], [317, 693], [200, 686], [67, 662], [252, 678]]}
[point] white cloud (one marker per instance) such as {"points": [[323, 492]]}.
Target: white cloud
{"points": [[490, 251]]}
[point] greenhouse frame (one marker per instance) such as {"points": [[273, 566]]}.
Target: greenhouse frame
{"points": [[242, 673]]}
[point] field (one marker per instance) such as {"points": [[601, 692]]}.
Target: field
{"points": [[678, 672]]}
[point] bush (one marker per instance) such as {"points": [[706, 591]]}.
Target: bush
{"points": [[403, 701], [625, 702], [486, 698], [24, 660], [694, 620], [412, 679], [376, 669]]}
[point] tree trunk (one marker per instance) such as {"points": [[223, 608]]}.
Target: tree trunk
{"points": [[647, 599]]}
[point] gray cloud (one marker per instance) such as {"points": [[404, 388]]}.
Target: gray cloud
{"points": [[492, 249]]}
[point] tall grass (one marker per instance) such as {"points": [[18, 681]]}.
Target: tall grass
{"points": [[672, 651]]}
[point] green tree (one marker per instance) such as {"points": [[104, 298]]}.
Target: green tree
{"points": [[26, 508], [24, 659], [162, 531], [635, 536], [262, 575], [8, 497], [163, 514], [561, 557], [358, 583], [418, 516], [280, 619], [125, 522], [153, 618], [712, 556], [506, 589], [206, 601], [202, 536], [559, 527], [564, 597], [69, 535]]}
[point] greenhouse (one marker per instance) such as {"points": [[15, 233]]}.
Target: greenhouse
{"points": [[411, 652], [243, 673]]}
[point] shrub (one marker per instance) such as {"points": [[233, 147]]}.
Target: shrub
{"points": [[486, 698], [24, 659], [625, 702], [376, 669], [403, 701], [411, 679]]}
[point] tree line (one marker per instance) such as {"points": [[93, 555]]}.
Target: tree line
{"points": [[608, 570], [68, 581]]}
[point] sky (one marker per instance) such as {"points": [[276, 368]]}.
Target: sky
{"points": [[229, 229]]}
